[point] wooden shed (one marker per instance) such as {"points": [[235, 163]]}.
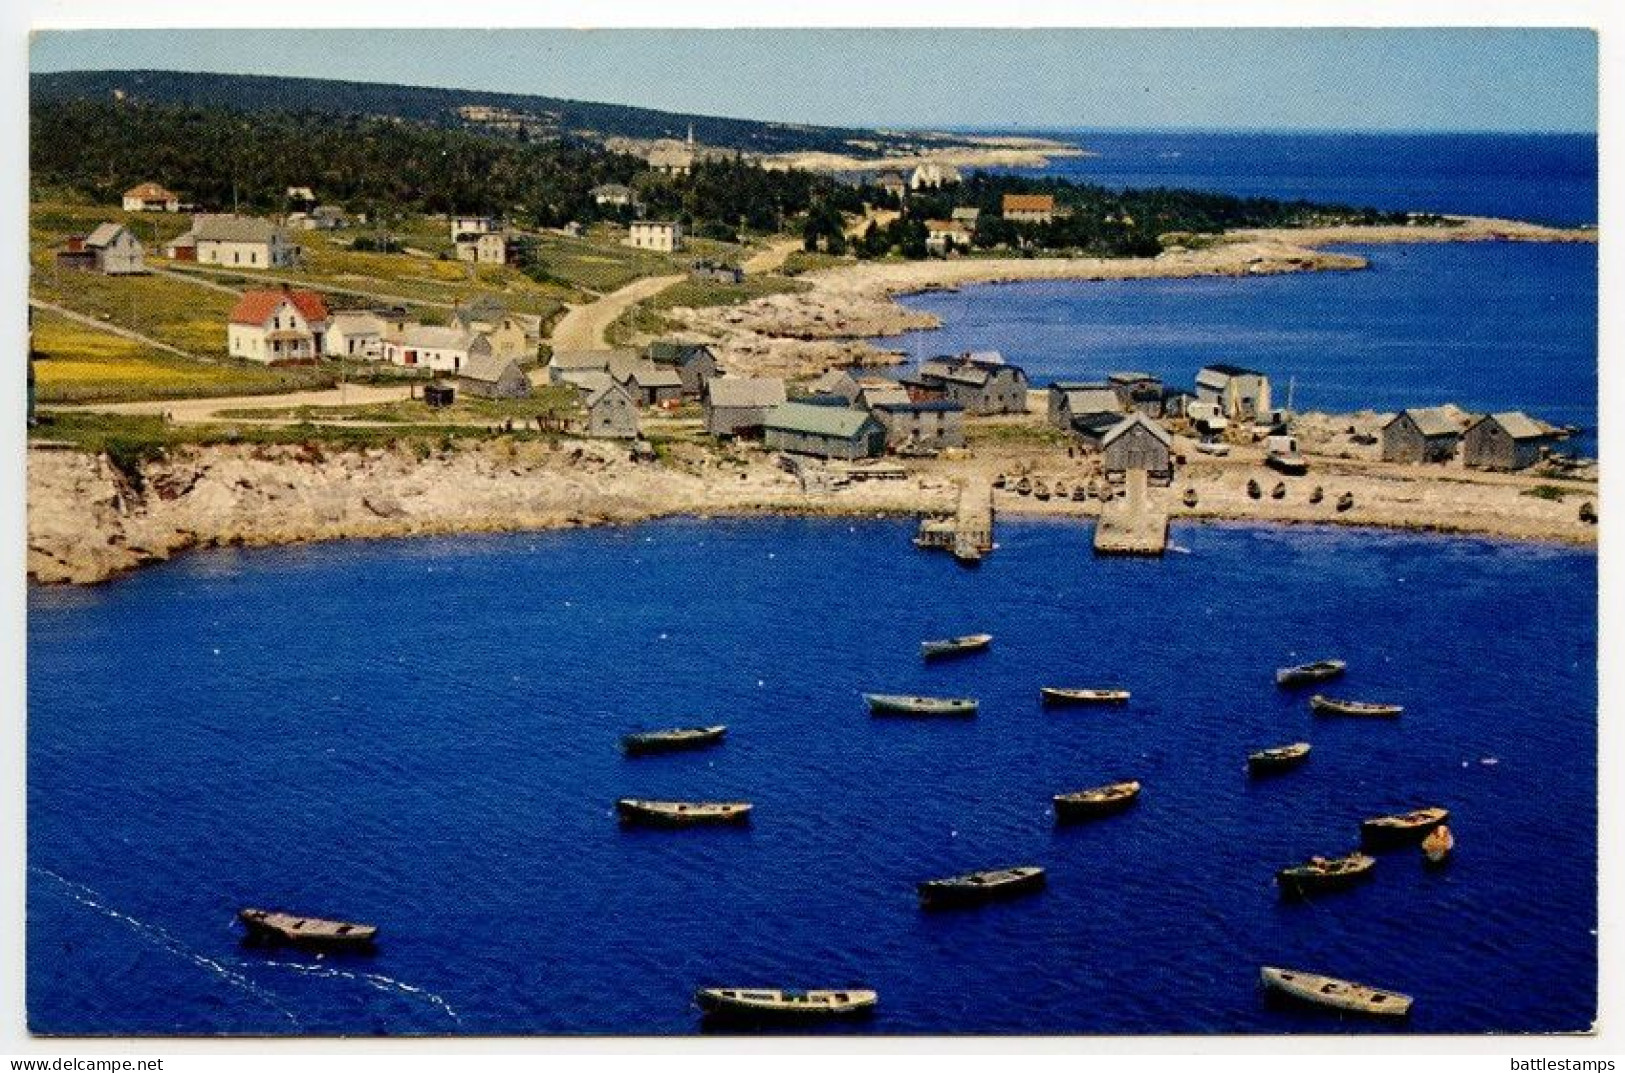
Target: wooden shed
{"points": [[824, 431], [1427, 434], [1137, 442], [491, 376], [611, 413], [1505, 441], [739, 405]]}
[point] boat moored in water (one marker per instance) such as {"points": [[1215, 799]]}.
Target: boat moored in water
{"points": [[1100, 801], [637, 812], [750, 1003], [670, 741], [1058, 696], [1332, 706], [976, 888], [1321, 874], [1438, 845], [894, 704], [1320, 670], [273, 927], [1281, 758], [956, 646], [1335, 994], [1405, 829]]}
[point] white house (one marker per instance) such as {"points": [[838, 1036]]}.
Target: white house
{"points": [[1240, 394], [235, 242], [943, 235], [358, 334], [615, 195], [931, 175], [441, 350], [274, 327], [662, 236], [471, 225], [150, 197]]}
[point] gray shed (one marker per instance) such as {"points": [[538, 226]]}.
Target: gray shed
{"points": [[611, 413], [490, 376], [735, 405], [1505, 441], [1137, 442], [923, 424], [1070, 399], [824, 431], [1426, 434]]}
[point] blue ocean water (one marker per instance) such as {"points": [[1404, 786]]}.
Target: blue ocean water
{"points": [[1489, 326], [1549, 178], [422, 734]]}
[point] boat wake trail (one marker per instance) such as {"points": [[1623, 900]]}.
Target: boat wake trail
{"points": [[161, 938], [377, 981]]}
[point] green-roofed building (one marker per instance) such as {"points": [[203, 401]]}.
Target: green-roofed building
{"points": [[824, 431]]}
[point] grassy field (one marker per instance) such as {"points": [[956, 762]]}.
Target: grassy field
{"points": [[801, 261], [649, 317]]}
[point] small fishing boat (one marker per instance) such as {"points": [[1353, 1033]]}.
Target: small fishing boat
{"points": [[998, 482], [1321, 670], [976, 888], [1189, 498], [1041, 491], [1588, 512], [1100, 801], [956, 646], [1094, 488], [1438, 845], [1254, 491], [1214, 448], [1107, 494], [893, 704], [272, 927], [966, 554], [1333, 706], [670, 741], [1322, 874], [1023, 486], [1281, 758], [1279, 491], [1080, 494], [1405, 829], [760, 1003], [1332, 993], [1057, 696], [1345, 501], [636, 812], [1290, 463], [1317, 495], [1059, 490]]}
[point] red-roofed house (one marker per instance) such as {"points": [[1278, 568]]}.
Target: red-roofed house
{"points": [[1029, 208], [279, 326]]}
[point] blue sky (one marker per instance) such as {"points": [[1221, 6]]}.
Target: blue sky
{"points": [[1419, 79]]}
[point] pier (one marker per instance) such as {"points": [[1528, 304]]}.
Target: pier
{"points": [[969, 533], [1131, 524]]}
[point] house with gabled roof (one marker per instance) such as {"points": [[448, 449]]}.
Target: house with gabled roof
{"points": [[982, 384], [1137, 442], [433, 348], [611, 412], [1241, 394], [648, 384], [695, 363], [1422, 434], [930, 425], [277, 326], [150, 197], [488, 375], [235, 242], [1029, 208], [738, 405], [823, 431], [1505, 441], [110, 249], [1069, 400]]}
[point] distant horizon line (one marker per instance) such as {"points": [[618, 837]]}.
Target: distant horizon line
{"points": [[909, 127]]}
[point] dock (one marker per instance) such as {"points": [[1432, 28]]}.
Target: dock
{"points": [[1130, 524], [969, 533]]}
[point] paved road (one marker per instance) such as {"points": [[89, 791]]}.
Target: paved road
{"points": [[583, 326], [114, 329]]}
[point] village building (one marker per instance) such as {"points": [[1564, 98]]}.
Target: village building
{"points": [[932, 176], [110, 249], [1137, 442], [893, 183], [611, 413], [301, 193], [1137, 391], [662, 236], [944, 235], [1426, 434], [932, 425], [358, 334], [648, 384], [967, 215], [487, 375], [321, 218], [472, 225], [823, 431], [695, 363], [275, 327], [715, 272], [1029, 208], [512, 335], [1240, 394], [235, 242], [668, 156], [878, 391], [436, 349], [150, 197], [568, 366], [981, 383], [1070, 400], [614, 195], [838, 384], [739, 405], [1504, 441], [490, 248]]}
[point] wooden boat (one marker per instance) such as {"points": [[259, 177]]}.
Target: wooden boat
{"points": [[1321, 670], [1281, 758], [956, 646], [1317, 495], [1057, 696], [998, 482], [966, 554], [1322, 874], [1405, 829], [1288, 462], [1023, 486], [1279, 491], [1438, 845], [1335, 994], [1080, 494], [760, 1003], [1345, 501], [893, 704], [270, 926], [636, 812], [1041, 490], [1094, 488], [1254, 491], [1100, 801], [1333, 706], [976, 888], [1190, 497], [1107, 493], [1588, 512], [1059, 490], [1213, 447], [670, 741]]}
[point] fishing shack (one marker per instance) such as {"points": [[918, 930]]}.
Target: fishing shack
{"points": [[824, 431]]}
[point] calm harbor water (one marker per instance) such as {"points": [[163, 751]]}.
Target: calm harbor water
{"points": [[422, 734]]}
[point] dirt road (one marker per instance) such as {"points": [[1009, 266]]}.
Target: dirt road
{"points": [[583, 327]]}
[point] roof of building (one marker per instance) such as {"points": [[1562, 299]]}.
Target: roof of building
{"points": [[1127, 424], [746, 391], [883, 395], [1091, 398], [919, 407], [967, 213], [1519, 425], [611, 190], [104, 235], [984, 357], [150, 192], [588, 380], [834, 381], [607, 389], [1029, 203], [1096, 424], [645, 374], [675, 352], [653, 223], [1226, 370], [833, 421], [582, 360], [1133, 377], [958, 227], [1432, 420], [358, 319], [234, 229], [483, 310], [433, 337], [255, 307], [487, 367]]}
